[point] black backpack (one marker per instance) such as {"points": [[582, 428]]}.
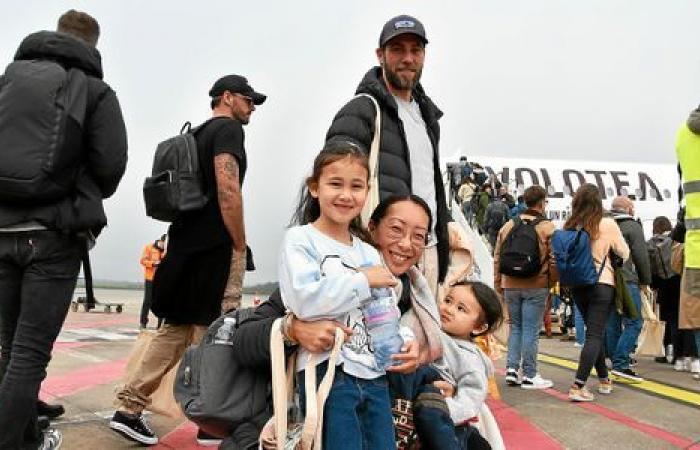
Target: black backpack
{"points": [[42, 113], [175, 185], [213, 391], [520, 251]]}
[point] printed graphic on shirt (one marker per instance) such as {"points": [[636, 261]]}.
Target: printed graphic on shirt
{"points": [[359, 347]]}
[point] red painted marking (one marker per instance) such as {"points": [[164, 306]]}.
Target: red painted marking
{"points": [[517, 432], [61, 346], [183, 437], [123, 319], [651, 430], [82, 379]]}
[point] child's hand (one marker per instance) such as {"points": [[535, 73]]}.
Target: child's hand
{"points": [[379, 276], [408, 358], [446, 389]]}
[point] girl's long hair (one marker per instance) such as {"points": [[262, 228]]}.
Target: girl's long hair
{"points": [[586, 210], [308, 208]]}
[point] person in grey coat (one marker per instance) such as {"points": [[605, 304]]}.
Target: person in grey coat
{"points": [[622, 332]]}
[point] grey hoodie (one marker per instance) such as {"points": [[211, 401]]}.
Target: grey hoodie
{"points": [[637, 268]]}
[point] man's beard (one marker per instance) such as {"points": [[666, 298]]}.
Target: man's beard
{"points": [[399, 83]]}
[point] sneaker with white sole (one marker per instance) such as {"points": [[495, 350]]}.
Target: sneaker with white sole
{"points": [[536, 382], [627, 374], [695, 366], [512, 377], [580, 394], [605, 387], [133, 427], [207, 440], [52, 439]]}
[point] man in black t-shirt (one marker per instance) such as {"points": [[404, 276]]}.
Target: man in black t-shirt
{"points": [[202, 272]]}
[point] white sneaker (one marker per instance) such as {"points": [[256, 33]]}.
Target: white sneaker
{"points": [[578, 345], [695, 365], [536, 382], [679, 365], [669, 353]]}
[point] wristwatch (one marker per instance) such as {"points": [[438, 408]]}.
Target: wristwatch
{"points": [[287, 329]]}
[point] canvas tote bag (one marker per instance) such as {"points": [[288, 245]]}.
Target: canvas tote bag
{"points": [[297, 436], [651, 338]]}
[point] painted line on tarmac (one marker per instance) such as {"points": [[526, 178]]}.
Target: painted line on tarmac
{"points": [[517, 432], [82, 379], [71, 324], [645, 428], [666, 391], [183, 437]]}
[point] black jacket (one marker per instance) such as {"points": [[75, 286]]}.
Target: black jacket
{"points": [[355, 122], [253, 335], [104, 140]]}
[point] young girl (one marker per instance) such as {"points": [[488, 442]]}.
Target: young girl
{"points": [[469, 309], [326, 272]]}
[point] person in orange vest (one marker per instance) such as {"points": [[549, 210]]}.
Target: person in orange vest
{"points": [[150, 258]]}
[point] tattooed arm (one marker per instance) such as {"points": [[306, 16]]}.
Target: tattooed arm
{"points": [[228, 188]]}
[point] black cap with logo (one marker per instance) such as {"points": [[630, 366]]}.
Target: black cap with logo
{"points": [[402, 24], [236, 84]]}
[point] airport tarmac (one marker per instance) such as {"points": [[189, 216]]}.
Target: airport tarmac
{"points": [[661, 413]]}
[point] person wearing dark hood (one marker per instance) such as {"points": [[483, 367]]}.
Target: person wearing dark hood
{"points": [[622, 332], [408, 160], [64, 151]]}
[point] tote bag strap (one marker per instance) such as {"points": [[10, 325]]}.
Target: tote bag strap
{"points": [[373, 198], [280, 391]]}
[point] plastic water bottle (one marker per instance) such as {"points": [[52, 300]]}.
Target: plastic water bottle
{"points": [[382, 320], [224, 335]]}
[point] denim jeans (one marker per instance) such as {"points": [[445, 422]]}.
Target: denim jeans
{"points": [[595, 303], [526, 310], [433, 423], [580, 325], [697, 341], [357, 413], [622, 332], [38, 272]]}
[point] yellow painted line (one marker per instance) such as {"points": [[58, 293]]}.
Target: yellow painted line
{"points": [[654, 387]]}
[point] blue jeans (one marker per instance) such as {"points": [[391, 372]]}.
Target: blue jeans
{"points": [[526, 310], [433, 423], [622, 332], [38, 271], [580, 325], [357, 413], [697, 341]]}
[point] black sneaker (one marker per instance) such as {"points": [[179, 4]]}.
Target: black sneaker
{"points": [[661, 360], [628, 374], [133, 427], [52, 440], [633, 362], [50, 411], [512, 378], [207, 440]]}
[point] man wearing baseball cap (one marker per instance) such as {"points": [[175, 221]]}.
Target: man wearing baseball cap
{"points": [[408, 161], [201, 274]]}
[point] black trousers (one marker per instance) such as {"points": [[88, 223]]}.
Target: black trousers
{"points": [[38, 272], [595, 303]]}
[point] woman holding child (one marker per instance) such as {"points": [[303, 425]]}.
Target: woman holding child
{"points": [[358, 410]]}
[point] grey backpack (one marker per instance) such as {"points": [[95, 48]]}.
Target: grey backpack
{"points": [[42, 113], [213, 391], [659, 248], [175, 184]]}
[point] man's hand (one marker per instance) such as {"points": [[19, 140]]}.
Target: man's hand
{"points": [[446, 388], [408, 357], [316, 336]]}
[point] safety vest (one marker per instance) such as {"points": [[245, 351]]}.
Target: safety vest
{"points": [[688, 153]]}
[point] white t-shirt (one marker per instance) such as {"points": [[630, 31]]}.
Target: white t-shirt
{"points": [[420, 152]]}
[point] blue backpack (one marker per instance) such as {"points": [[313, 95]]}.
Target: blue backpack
{"points": [[572, 253]]}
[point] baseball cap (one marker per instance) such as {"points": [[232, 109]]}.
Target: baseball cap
{"points": [[236, 84], [402, 24]]}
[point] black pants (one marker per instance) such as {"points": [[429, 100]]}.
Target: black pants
{"points": [[38, 271], [595, 303], [683, 341], [146, 305]]}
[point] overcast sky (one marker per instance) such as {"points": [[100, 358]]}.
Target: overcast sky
{"points": [[600, 79]]}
